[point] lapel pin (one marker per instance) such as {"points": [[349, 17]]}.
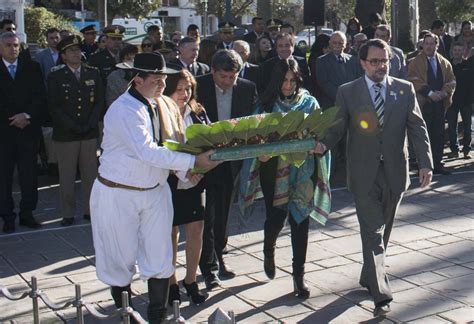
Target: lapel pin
{"points": [[394, 94]]}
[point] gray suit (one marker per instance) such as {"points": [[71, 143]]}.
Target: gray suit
{"points": [[377, 165], [45, 59], [398, 66], [331, 74]]}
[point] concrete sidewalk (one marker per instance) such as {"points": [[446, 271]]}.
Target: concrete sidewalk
{"points": [[430, 261]]}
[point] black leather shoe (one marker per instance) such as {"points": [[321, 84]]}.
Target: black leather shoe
{"points": [[192, 291], [301, 289], [9, 226], [382, 309], [467, 156], [27, 219], [269, 267], [174, 294], [67, 221], [441, 170], [212, 281], [225, 272], [87, 217]]}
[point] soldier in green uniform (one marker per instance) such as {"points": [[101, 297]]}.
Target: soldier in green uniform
{"points": [[76, 100], [106, 60], [89, 46]]}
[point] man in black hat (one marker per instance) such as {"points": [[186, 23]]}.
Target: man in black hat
{"points": [[131, 207], [76, 100], [106, 60], [89, 46], [273, 28], [226, 35]]}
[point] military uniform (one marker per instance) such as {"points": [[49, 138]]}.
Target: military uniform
{"points": [[104, 60], [75, 106], [89, 49]]}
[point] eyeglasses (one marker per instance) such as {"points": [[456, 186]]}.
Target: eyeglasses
{"points": [[377, 62]]}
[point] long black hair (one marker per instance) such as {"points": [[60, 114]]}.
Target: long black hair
{"points": [[273, 90]]}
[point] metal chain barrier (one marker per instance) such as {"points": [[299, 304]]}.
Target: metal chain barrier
{"points": [[125, 312]]}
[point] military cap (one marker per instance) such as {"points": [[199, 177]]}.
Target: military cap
{"points": [[151, 63], [165, 47], [69, 41], [114, 31], [274, 23], [226, 27], [88, 29]]}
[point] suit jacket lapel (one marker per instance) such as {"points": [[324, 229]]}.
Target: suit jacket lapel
{"points": [[365, 94], [389, 100], [5, 72], [212, 110]]}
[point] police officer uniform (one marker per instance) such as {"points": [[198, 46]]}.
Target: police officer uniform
{"points": [[76, 99], [226, 27], [89, 49], [104, 60]]}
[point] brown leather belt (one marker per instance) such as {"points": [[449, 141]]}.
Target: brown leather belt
{"points": [[112, 184]]}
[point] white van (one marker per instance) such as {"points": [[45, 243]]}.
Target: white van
{"points": [[135, 29]]}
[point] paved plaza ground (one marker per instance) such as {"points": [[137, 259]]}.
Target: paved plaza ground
{"points": [[430, 262]]}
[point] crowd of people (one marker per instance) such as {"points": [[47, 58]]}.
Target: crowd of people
{"points": [[104, 107]]}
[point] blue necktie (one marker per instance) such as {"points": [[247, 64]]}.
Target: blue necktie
{"points": [[433, 65], [12, 70]]}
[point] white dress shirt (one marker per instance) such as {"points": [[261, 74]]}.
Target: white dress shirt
{"points": [[7, 64], [130, 155]]}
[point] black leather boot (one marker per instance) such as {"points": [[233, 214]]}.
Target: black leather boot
{"points": [[174, 294], [116, 292], [158, 296], [269, 266], [300, 286]]}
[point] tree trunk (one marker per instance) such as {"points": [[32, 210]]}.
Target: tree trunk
{"points": [[264, 9], [364, 8], [427, 9], [403, 24]]}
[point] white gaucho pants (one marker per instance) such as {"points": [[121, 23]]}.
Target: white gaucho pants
{"points": [[128, 227]]}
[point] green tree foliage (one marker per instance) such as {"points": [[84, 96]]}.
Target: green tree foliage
{"points": [[453, 11], [217, 8], [38, 20], [130, 8]]}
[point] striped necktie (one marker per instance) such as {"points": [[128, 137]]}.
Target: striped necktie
{"points": [[379, 102]]}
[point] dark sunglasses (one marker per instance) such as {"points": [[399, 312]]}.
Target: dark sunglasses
{"points": [[147, 45], [11, 29]]}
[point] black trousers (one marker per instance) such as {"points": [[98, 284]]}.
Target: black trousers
{"points": [[218, 196], [275, 220], [466, 116], [434, 116], [20, 152]]}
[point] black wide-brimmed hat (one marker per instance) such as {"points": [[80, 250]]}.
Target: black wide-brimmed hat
{"points": [[66, 42], [150, 63]]}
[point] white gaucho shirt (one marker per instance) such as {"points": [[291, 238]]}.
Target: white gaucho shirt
{"points": [[130, 156]]}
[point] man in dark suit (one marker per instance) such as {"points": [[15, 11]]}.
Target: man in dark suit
{"points": [[22, 109], [461, 102], [398, 66], [334, 69], [258, 30], [106, 60], [285, 46], [445, 40], [249, 71], [224, 96], [76, 99], [187, 58], [378, 112]]}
